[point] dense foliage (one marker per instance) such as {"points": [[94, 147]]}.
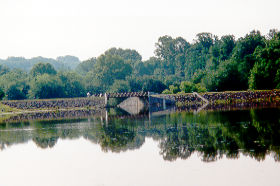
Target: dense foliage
{"points": [[208, 64]]}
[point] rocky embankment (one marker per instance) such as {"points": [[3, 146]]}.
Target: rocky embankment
{"points": [[226, 97], [53, 104]]}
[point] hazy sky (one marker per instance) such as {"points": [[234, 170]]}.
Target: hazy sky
{"points": [[86, 28]]}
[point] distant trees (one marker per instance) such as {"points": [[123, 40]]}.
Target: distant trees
{"points": [[86, 66], [69, 61], [3, 70], [21, 63]]}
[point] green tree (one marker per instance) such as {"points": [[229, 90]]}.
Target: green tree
{"points": [[15, 84], [42, 68], [15, 93], [109, 68], [46, 86], [145, 83], [92, 84], [198, 54], [72, 84], [227, 45], [2, 94], [126, 54], [266, 71], [13, 77], [172, 53], [243, 54], [226, 77], [130, 56]]}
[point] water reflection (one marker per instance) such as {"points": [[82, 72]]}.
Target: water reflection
{"points": [[213, 135]]}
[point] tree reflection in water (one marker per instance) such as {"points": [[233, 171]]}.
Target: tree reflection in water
{"points": [[213, 135]]}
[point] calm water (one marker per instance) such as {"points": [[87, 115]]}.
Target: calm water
{"points": [[209, 148]]}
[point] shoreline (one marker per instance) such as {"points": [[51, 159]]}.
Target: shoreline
{"points": [[181, 102]]}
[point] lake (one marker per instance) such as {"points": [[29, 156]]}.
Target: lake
{"points": [[238, 147]]}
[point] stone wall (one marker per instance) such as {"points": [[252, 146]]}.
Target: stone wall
{"points": [[240, 96], [155, 100], [56, 103]]}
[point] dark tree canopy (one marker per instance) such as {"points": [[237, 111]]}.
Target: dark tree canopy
{"points": [[15, 93]]}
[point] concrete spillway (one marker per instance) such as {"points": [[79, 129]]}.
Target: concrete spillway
{"points": [[132, 105]]}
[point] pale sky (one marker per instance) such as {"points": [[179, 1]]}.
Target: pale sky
{"points": [[86, 28]]}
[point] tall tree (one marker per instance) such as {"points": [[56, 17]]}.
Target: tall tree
{"points": [[109, 68], [171, 52], [266, 71], [198, 54], [243, 54]]}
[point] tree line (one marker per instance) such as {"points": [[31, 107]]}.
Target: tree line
{"points": [[209, 63]]}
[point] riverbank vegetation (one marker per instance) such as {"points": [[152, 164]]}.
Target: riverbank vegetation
{"points": [[208, 63]]}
